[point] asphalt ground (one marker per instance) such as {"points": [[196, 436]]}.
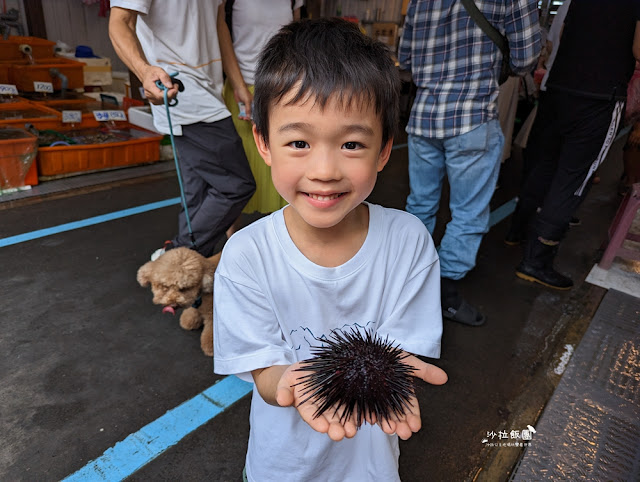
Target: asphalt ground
{"points": [[87, 360]]}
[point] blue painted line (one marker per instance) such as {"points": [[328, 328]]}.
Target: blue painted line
{"points": [[41, 233], [502, 212], [140, 448]]}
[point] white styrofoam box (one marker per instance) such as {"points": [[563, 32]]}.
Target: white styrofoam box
{"points": [[96, 71], [142, 117]]}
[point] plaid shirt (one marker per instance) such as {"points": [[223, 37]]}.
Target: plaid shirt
{"points": [[455, 65]]}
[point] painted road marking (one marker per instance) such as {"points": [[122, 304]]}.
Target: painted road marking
{"points": [[502, 212], [41, 233], [140, 448]]}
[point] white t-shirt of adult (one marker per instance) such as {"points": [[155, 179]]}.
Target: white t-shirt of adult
{"points": [[253, 24], [272, 304], [181, 36]]}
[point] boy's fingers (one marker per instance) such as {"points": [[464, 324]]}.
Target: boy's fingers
{"points": [[426, 371], [336, 432], [388, 426], [319, 424], [414, 422], [403, 431], [284, 396], [350, 429]]}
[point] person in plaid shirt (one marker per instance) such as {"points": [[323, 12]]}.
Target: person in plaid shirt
{"points": [[454, 127]]}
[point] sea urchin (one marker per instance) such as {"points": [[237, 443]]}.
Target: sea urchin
{"points": [[359, 374]]}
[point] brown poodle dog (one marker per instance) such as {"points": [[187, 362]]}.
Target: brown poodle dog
{"points": [[183, 278]]}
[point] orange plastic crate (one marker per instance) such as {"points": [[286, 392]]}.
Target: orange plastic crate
{"points": [[17, 114], [40, 48], [61, 160], [23, 74], [31, 179], [4, 73], [18, 149]]}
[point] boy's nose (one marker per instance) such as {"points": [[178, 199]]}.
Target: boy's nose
{"points": [[323, 166]]}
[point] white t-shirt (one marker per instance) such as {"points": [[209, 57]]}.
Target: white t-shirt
{"points": [[254, 23], [272, 303], [182, 36]]}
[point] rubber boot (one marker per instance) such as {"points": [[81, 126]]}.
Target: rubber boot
{"points": [[537, 266]]}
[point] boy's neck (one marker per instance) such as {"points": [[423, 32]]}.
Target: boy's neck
{"points": [[329, 247]]}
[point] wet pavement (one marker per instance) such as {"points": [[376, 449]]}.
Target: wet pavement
{"points": [[87, 360]]}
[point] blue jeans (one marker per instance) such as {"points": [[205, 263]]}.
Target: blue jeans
{"points": [[471, 162]]}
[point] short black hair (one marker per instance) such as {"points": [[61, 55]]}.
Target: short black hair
{"points": [[323, 58]]}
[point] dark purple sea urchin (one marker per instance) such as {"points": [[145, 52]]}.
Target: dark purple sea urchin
{"points": [[358, 373]]}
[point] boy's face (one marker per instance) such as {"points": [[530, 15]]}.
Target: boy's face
{"points": [[324, 162]]}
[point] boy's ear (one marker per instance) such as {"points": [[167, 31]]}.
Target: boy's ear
{"points": [[384, 155], [262, 146]]}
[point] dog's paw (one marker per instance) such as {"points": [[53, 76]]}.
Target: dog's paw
{"points": [[207, 349], [190, 319], [206, 339]]}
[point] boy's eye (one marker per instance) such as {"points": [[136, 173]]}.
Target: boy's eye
{"points": [[351, 145], [299, 144]]}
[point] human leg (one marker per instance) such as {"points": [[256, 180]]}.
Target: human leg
{"points": [[217, 182], [473, 165], [540, 163], [426, 172], [591, 128]]}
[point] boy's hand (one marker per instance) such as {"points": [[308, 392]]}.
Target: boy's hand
{"points": [[289, 395], [410, 422]]}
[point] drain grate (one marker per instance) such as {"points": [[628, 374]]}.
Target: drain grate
{"points": [[590, 429]]}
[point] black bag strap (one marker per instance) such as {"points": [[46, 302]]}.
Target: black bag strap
{"points": [[482, 22]]}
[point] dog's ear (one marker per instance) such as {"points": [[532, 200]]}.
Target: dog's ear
{"points": [[144, 273], [207, 283]]}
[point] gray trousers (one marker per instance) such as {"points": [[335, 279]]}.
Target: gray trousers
{"points": [[217, 182]]}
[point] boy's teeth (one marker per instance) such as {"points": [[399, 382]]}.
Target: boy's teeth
{"points": [[323, 198]]}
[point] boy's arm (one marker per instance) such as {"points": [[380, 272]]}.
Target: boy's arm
{"points": [[230, 64], [122, 32]]}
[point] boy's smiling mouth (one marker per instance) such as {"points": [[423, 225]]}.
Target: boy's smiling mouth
{"points": [[324, 197]]}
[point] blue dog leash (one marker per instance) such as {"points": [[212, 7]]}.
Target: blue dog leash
{"points": [[168, 104]]}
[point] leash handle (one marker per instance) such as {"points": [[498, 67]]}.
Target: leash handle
{"points": [[162, 87]]}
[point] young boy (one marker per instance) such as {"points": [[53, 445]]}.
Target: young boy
{"points": [[325, 109]]}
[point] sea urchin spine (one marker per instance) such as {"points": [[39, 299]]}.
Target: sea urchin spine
{"points": [[358, 374]]}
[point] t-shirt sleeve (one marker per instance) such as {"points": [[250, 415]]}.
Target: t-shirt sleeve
{"points": [[140, 6], [247, 335], [415, 320]]}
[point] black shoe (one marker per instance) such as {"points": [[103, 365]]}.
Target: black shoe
{"points": [[455, 308], [575, 221], [545, 275], [465, 313]]}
